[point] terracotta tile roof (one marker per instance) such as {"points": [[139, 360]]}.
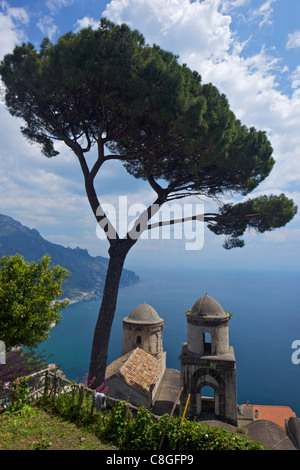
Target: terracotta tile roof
{"points": [[114, 366], [276, 414], [138, 369]]}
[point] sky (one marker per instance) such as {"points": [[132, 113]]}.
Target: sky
{"points": [[249, 49]]}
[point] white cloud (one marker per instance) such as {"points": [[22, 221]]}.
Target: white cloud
{"points": [[28, 180], [255, 98], [293, 40], [55, 5], [295, 79], [263, 14], [46, 23], [16, 13], [12, 24], [183, 25], [229, 5], [85, 22], [47, 26]]}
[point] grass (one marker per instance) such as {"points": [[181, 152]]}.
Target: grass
{"points": [[31, 428]]}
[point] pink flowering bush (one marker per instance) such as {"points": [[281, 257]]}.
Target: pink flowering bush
{"points": [[89, 384]]}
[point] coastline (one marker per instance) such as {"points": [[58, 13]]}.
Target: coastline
{"points": [[82, 297]]}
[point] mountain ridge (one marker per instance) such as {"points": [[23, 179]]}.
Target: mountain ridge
{"points": [[87, 272]]}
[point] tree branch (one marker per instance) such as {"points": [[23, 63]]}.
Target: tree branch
{"points": [[141, 223], [208, 217], [79, 153], [87, 136], [161, 192], [98, 212], [99, 161], [175, 221], [199, 217]]}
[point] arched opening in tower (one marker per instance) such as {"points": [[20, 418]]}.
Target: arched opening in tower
{"points": [[207, 401]]}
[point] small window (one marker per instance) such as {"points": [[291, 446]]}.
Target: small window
{"points": [[207, 337], [138, 340], [207, 342]]}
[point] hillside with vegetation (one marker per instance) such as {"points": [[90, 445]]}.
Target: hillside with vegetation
{"points": [[87, 272], [69, 420]]}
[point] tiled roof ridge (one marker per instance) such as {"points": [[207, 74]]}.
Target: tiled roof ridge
{"points": [[115, 365], [130, 371], [272, 406]]}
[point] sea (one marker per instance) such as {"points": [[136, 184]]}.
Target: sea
{"points": [[264, 329]]}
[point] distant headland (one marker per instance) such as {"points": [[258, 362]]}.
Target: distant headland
{"points": [[87, 272]]}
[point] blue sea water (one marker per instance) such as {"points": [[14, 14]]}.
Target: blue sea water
{"points": [[264, 324]]}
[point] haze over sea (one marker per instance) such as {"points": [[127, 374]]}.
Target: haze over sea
{"points": [[264, 324]]}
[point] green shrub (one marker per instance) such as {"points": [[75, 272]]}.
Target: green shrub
{"points": [[20, 391], [193, 435], [115, 429], [144, 432]]}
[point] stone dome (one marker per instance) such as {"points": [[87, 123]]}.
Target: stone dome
{"points": [[208, 307], [143, 313]]}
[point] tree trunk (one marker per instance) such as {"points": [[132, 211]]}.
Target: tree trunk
{"points": [[106, 313]]}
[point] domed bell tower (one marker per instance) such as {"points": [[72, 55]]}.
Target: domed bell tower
{"points": [[207, 359], [143, 328]]}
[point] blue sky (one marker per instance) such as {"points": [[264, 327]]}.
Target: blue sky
{"points": [[249, 49]]}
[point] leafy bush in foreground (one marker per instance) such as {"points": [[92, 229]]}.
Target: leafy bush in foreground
{"points": [[145, 432]]}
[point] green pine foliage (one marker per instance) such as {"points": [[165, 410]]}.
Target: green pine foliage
{"points": [[264, 213]]}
